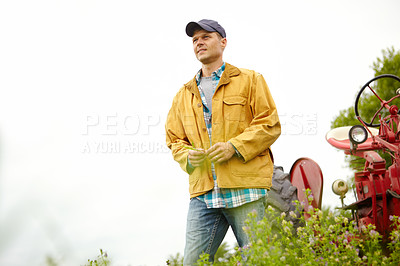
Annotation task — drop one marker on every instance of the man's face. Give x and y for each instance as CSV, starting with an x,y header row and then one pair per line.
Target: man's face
x,y
208,46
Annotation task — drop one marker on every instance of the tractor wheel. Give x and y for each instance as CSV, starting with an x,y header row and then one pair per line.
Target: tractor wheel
x,y
282,196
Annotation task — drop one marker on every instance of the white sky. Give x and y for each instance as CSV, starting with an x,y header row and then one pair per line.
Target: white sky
x,y
85,89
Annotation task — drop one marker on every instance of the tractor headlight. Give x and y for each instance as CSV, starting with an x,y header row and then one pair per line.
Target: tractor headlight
x,y
358,134
339,187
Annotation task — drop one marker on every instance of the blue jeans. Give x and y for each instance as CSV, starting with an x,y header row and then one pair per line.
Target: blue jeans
x,y
206,228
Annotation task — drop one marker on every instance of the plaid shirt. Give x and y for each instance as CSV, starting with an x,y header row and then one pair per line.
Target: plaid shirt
x,y
223,197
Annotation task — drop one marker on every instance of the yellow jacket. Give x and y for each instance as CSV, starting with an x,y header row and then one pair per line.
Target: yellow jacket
x,y
244,113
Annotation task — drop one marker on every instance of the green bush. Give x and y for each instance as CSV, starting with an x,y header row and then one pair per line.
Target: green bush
x,y
326,238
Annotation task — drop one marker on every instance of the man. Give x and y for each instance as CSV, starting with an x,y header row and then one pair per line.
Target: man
x,y
220,129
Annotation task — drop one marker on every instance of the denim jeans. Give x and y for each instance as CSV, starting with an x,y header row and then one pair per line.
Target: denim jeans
x,y
206,228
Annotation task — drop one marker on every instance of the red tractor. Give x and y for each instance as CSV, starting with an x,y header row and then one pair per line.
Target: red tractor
x,y
377,187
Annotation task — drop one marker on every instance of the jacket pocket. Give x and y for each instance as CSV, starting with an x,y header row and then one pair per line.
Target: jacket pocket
x,y
257,173
234,108
258,166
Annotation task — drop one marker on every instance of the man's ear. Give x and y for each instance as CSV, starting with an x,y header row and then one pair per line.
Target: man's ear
x,y
223,42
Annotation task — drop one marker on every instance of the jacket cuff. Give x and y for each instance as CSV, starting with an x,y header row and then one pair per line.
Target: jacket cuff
x,y
237,153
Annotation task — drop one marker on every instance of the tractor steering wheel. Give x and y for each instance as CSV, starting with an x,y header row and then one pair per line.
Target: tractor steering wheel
x,y
383,103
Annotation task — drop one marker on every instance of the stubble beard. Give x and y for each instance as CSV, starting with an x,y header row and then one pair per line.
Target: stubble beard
x,y
205,59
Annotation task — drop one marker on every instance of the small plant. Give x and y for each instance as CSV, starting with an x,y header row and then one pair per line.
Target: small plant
x,y
175,260
102,260
394,238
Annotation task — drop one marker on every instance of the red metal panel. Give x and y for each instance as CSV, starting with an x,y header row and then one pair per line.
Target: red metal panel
x,y
306,174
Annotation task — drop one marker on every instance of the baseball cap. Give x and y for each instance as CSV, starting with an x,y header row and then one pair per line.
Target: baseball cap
x,y
205,24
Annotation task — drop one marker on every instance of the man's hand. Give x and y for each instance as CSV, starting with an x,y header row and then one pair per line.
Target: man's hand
x,y
196,157
220,152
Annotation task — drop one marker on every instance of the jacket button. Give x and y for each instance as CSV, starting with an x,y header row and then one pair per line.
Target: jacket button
x,y
204,129
199,105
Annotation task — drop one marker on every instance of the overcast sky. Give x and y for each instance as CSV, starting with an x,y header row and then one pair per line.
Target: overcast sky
x,y
85,89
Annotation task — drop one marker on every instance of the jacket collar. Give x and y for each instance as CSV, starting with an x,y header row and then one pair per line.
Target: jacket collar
x,y
216,74
230,71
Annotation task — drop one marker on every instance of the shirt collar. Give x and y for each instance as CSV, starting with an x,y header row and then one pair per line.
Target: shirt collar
x,y
217,73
